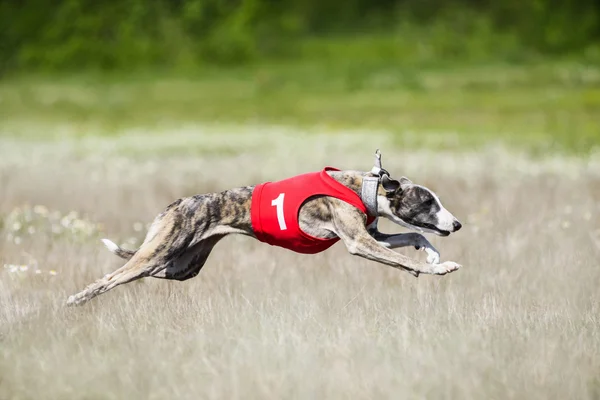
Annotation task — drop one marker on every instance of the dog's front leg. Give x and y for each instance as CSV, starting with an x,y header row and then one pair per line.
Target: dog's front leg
x,y
404,240
367,247
349,225
410,239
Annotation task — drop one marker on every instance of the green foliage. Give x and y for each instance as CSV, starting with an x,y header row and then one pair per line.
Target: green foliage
x,y
545,107
129,34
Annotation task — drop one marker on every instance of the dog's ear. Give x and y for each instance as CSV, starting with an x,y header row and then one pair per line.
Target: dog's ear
x,y
389,185
404,181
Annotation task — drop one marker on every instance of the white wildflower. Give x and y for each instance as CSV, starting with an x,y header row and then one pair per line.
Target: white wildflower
x,y
568,209
40,210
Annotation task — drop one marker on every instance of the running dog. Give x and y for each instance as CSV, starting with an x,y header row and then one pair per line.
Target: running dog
x,y
307,214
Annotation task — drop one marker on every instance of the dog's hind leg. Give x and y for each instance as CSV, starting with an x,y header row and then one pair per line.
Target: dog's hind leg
x,y
135,269
179,240
166,241
185,267
145,263
191,262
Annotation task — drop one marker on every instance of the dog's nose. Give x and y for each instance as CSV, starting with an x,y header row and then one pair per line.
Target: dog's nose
x,y
456,225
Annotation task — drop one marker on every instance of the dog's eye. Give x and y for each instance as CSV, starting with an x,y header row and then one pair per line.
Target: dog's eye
x,y
428,203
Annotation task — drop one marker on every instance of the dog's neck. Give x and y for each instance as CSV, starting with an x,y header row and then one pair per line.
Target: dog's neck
x,y
351,179
354,180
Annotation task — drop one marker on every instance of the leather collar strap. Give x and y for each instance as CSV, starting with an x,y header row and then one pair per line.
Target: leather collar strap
x,y
369,194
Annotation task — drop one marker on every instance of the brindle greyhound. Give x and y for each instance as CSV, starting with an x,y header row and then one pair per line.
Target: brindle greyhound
x,y
181,238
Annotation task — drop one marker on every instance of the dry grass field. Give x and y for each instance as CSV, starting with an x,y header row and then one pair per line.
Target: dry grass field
x,y
520,320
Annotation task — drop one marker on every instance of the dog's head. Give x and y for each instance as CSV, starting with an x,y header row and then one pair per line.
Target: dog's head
x,y
412,206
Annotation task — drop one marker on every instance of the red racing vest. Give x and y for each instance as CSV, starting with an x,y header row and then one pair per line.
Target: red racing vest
x,y
275,207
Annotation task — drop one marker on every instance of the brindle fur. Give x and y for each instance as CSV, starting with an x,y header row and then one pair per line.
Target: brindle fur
x,y
181,238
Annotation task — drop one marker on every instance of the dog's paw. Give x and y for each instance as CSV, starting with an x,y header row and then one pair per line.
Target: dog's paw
x,y
71,301
74,301
445,268
433,256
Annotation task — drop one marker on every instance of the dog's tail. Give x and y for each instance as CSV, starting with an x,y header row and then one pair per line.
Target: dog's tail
x,y
113,248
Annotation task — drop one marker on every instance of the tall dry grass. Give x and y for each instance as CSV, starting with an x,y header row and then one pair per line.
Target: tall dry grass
x,y
520,320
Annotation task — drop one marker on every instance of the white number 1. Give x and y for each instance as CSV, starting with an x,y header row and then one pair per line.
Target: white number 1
x,y
278,202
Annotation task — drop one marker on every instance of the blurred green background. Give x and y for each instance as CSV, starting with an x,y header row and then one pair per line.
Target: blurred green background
x,y
448,74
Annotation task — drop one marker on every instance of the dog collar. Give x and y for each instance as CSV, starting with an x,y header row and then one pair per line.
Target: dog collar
x,y
370,185
369,194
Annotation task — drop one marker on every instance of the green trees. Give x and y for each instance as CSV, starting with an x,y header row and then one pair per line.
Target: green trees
x,y
125,34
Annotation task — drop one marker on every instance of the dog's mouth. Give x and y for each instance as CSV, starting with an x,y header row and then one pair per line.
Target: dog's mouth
x,y
421,227
436,230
